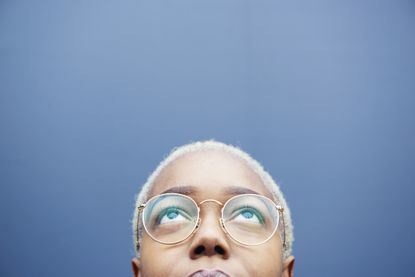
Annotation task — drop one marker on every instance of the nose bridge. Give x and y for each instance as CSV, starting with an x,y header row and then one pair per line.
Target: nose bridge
x,y
213,215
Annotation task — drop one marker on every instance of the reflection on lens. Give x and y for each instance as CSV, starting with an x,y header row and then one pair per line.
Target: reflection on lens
x,y
170,218
250,219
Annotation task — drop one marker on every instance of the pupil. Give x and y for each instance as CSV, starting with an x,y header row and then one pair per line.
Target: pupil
x,y
247,214
172,215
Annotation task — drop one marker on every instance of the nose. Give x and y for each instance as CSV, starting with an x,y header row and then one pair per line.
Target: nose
x,y
209,239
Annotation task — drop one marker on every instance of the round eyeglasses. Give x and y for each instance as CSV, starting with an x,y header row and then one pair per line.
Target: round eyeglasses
x,y
249,219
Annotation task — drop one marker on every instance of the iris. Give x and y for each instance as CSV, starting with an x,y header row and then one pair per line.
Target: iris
x,y
249,214
171,214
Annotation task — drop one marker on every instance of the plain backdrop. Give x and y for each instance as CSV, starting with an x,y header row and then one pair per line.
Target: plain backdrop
x,y
93,94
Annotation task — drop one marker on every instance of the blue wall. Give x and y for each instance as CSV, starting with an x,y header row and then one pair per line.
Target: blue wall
x,y
95,93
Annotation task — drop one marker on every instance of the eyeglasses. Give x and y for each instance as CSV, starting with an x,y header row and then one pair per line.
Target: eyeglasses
x,y
249,219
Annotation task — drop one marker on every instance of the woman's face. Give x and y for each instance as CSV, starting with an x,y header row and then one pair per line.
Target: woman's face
x,y
210,251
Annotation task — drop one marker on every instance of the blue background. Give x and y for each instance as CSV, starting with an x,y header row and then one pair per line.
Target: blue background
x,y
95,93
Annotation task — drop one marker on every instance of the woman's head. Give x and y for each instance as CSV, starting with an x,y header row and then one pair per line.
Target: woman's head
x,y
215,172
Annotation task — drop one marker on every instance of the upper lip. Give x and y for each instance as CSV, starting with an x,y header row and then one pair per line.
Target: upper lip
x,y
208,273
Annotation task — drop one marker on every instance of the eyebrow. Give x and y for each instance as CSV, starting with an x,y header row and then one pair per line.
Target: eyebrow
x,y
235,190
229,190
186,190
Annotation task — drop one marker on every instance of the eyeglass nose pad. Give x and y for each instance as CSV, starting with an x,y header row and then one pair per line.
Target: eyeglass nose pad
x,y
222,225
199,221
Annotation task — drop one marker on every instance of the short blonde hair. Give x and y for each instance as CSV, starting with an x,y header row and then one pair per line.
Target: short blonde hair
x,y
177,152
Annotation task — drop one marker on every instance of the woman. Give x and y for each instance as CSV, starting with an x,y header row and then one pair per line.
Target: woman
x,y
209,209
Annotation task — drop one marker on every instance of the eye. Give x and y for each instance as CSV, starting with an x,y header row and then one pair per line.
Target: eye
x,y
248,215
172,215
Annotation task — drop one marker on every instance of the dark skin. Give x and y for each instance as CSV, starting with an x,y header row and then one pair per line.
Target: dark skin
x,y
215,175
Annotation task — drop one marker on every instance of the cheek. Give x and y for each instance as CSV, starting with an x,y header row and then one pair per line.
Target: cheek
x,y
262,260
157,260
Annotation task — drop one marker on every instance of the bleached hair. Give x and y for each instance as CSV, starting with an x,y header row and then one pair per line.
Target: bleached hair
x,y
177,152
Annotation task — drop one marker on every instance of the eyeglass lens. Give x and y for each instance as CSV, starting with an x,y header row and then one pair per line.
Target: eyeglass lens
x,y
170,218
249,219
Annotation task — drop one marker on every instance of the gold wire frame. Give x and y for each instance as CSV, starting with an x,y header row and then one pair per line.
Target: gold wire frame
x,y
199,221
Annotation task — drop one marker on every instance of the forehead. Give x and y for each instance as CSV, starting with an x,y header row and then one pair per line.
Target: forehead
x,y
209,174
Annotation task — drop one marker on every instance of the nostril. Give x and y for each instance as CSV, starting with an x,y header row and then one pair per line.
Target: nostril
x,y
219,250
199,250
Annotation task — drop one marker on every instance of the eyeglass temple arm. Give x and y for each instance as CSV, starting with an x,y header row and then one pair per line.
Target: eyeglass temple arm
x,y
281,211
139,208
